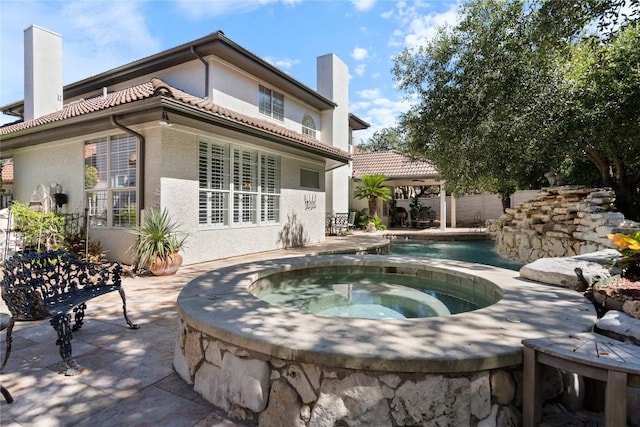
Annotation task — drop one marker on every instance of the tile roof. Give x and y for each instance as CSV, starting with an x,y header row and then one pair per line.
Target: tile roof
x,y
156,87
392,164
7,173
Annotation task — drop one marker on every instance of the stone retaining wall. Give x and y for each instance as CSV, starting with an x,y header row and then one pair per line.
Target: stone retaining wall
x,y
559,222
275,392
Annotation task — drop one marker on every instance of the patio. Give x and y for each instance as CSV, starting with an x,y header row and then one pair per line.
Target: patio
x,y
128,376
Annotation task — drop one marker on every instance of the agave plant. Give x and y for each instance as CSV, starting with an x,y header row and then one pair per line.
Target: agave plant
x,y
158,237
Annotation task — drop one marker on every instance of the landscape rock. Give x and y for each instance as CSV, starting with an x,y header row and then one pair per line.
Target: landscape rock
x,y
561,272
620,324
436,400
480,390
356,400
503,387
284,407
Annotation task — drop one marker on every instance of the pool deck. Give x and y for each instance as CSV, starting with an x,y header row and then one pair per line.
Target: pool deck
x,y
128,376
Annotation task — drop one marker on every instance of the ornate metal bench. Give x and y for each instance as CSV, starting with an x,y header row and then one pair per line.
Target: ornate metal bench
x,y
52,284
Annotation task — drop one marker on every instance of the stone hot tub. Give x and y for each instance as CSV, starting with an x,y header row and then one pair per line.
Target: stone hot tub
x,y
279,366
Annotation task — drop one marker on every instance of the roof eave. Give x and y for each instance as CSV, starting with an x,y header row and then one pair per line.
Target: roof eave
x,y
145,111
213,44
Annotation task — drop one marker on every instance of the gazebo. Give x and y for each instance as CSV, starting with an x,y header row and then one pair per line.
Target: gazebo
x,y
402,171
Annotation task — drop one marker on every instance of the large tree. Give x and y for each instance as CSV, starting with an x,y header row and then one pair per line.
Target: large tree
x,y
384,139
603,122
496,93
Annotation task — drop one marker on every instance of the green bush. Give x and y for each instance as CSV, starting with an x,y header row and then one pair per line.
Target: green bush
x,y
362,218
378,223
41,230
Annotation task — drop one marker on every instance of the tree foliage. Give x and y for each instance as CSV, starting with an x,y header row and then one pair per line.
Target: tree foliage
x,y
501,95
383,140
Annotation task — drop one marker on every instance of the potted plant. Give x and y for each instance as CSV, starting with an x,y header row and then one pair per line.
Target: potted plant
x,y
158,244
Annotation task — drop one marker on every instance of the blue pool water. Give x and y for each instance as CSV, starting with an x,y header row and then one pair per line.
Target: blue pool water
x,y
478,251
370,296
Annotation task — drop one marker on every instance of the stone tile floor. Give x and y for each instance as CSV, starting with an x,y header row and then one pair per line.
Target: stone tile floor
x,y
128,377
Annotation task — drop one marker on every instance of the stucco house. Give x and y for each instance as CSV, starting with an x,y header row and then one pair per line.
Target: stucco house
x,y
247,158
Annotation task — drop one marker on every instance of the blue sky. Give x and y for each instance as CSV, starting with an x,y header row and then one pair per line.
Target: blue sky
x,y
291,34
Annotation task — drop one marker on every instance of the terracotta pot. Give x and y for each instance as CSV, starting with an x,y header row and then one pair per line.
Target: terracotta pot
x,y
167,267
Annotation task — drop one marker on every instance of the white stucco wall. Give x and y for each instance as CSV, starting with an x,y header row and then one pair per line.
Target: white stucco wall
x,y
237,90
61,163
333,83
179,195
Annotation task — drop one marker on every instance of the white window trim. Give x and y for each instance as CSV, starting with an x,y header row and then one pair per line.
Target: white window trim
x,y
272,93
231,191
111,188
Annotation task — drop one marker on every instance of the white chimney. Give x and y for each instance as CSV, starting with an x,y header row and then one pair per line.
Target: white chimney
x,y
333,83
42,72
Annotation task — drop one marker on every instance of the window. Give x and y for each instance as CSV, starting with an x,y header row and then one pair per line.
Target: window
x,y
245,186
213,176
110,181
309,179
270,186
271,103
308,126
238,186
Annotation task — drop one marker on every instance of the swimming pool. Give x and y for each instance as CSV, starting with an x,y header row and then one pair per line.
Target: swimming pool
x,y
478,251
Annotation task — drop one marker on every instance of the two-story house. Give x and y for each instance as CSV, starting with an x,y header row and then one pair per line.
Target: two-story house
x,y
244,156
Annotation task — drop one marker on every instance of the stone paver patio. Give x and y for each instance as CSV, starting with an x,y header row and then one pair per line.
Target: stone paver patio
x,y
128,377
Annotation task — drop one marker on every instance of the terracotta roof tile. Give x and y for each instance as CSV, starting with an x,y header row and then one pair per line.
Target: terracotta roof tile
x,y
7,173
156,87
392,164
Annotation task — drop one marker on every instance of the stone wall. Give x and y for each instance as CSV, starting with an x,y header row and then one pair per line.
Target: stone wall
x,y
559,222
274,392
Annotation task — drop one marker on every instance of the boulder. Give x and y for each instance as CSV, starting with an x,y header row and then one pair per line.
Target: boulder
x,y
561,271
619,325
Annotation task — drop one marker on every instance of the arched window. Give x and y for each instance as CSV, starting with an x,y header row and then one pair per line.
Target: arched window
x,y
308,126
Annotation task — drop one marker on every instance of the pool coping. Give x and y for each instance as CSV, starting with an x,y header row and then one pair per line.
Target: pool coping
x,y
219,304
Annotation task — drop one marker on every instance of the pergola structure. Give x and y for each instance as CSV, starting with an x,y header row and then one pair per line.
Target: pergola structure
x,y
400,171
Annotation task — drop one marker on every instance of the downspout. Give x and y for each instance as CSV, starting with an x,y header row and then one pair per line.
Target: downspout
x,y
140,160
206,71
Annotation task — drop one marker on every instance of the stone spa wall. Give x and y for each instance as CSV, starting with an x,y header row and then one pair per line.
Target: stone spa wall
x,y
274,392
560,221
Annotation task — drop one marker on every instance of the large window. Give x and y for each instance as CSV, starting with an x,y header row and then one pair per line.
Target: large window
x,y
110,181
238,186
271,103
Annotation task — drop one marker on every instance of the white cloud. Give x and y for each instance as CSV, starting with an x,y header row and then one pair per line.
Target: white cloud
x,y
360,69
381,113
415,25
369,93
205,9
359,53
96,36
102,35
363,5
283,63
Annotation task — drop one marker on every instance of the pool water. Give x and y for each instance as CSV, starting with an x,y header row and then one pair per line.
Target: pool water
x,y
370,296
477,251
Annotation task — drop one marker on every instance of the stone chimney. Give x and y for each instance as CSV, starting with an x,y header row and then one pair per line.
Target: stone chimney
x,y
42,72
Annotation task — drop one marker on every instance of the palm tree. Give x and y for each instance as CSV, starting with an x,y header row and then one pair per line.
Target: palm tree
x,y
373,190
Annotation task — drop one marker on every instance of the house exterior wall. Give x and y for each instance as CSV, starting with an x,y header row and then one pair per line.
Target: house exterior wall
x,y
171,182
42,166
333,83
170,175
179,195
238,90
